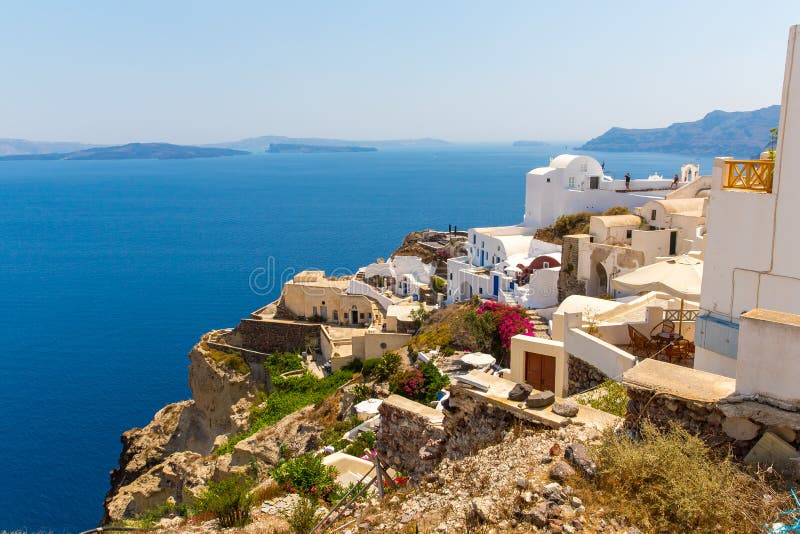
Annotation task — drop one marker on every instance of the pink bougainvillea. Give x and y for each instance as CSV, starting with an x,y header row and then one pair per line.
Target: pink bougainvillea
x,y
510,320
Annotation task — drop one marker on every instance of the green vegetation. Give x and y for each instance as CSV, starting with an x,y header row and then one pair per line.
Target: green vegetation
x,y
333,434
671,481
228,500
365,440
355,366
229,360
289,395
420,315
149,518
617,210
614,400
474,332
368,367
282,362
361,392
388,365
306,475
438,283
434,380
303,516
421,384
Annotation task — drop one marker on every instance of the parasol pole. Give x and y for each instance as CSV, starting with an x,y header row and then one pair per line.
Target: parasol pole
x,y
680,320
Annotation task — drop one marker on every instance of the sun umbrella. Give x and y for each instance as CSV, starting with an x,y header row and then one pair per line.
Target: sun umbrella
x,y
680,276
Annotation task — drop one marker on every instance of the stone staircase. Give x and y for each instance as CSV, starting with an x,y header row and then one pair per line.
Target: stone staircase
x,y
509,297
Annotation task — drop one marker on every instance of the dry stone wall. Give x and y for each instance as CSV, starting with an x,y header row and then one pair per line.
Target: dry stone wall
x,y
582,375
568,283
273,336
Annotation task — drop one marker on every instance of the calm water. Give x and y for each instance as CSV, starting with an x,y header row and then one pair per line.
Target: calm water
x,y
110,271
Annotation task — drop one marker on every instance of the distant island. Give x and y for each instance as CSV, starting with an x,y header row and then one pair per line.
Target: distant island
x,y
275,148
257,144
720,133
529,143
134,151
13,147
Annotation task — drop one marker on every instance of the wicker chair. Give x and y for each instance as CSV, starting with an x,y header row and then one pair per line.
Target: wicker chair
x,y
642,345
664,327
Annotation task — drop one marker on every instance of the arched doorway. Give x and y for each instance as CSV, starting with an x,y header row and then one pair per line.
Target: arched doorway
x,y
598,282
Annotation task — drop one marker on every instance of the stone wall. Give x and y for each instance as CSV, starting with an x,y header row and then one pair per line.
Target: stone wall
x,y
582,375
259,375
568,283
411,436
471,424
414,438
273,336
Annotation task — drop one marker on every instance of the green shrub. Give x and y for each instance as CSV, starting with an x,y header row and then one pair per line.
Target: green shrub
x,y
229,360
612,398
149,518
437,283
282,362
368,366
332,434
365,440
303,516
361,392
434,380
475,332
388,365
355,366
306,475
617,210
228,500
419,315
671,481
289,395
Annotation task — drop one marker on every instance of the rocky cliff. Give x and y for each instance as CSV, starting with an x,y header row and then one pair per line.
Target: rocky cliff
x,y
172,457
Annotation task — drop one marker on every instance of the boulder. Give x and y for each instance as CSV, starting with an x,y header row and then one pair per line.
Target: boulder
x,y
520,392
740,428
540,399
566,408
578,455
561,471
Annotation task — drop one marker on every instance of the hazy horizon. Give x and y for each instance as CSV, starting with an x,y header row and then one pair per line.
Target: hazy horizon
x,y
464,72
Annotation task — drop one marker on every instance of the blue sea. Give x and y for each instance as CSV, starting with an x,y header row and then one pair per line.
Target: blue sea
x,y
111,270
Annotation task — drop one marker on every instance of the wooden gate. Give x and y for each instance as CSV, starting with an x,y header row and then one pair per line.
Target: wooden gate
x,y
540,371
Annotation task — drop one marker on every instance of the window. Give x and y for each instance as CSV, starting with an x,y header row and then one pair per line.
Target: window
x,y
545,265
335,315
629,234
451,276
653,215
323,303
584,167
314,310
498,250
482,244
480,290
572,181
383,346
474,238
548,180
361,316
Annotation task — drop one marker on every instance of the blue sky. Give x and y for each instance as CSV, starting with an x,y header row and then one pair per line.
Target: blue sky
x,y
195,72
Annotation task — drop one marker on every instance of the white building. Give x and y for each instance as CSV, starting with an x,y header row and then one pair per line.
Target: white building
x,y
750,327
402,275
572,184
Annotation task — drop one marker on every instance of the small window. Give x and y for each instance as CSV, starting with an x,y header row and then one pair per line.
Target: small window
x,y
474,239
629,234
361,315
383,346
498,250
451,276
480,290
572,181
545,265
482,244
314,310
335,315
548,180
584,167
653,215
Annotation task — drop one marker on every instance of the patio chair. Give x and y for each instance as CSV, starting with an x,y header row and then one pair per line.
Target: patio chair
x,y
640,342
664,327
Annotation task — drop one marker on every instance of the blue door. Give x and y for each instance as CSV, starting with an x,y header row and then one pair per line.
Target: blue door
x,y
496,288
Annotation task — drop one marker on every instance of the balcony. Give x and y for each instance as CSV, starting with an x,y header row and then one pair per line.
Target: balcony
x,y
749,175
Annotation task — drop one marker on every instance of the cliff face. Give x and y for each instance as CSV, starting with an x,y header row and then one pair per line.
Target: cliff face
x,y
166,458
171,457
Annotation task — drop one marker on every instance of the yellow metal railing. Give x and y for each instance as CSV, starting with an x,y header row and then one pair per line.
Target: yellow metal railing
x,y
749,175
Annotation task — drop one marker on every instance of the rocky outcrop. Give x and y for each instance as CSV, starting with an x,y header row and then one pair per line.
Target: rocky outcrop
x,y
167,456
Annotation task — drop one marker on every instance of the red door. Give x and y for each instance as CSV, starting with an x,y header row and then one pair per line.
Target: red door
x,y
540,371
